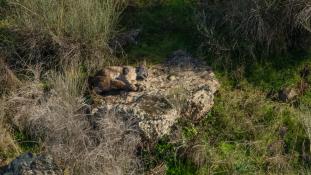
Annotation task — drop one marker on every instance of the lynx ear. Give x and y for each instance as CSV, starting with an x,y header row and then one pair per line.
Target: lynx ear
x,y
125,70
142,64
142,72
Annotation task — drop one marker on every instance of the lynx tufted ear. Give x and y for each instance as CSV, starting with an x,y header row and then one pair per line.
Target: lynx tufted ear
x,y
125,70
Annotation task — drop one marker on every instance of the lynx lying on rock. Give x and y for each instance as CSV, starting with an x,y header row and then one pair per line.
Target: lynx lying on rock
x,y
117,78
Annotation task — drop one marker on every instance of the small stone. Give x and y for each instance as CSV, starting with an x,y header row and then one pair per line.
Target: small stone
x,y
171,77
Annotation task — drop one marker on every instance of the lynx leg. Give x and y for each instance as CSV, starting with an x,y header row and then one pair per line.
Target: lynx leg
x,y
133,87
104,84
118,85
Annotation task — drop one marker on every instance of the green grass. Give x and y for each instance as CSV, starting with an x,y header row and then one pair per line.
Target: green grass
x,y
278,72
234,138
26,143
166,27
239,135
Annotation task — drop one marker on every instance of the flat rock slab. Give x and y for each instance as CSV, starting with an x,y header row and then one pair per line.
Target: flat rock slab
x,y
189,94
168,93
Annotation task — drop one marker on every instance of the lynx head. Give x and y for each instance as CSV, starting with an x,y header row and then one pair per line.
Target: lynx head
x,y
141,72
125,71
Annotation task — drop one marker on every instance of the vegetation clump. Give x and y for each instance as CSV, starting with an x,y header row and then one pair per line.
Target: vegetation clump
x,y
256,48
247,28
88,22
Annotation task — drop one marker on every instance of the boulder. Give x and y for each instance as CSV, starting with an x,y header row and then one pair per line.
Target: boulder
x,y
179,88
29,164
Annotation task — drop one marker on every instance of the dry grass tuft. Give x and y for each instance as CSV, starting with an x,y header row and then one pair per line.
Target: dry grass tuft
x,y
57,119
255,28
84,21
304,17
52,32
305,116
8,147
8,79
66,42
178,97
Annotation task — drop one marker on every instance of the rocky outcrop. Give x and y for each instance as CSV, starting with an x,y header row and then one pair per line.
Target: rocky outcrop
x,y
183,87
29,164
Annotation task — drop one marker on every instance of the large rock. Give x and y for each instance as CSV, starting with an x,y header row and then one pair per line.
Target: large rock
x,y
180,88
29,164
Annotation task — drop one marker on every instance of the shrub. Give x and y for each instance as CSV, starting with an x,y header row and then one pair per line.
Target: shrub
x,y
8,80
58,120
46,32
84,21
244,28
8,147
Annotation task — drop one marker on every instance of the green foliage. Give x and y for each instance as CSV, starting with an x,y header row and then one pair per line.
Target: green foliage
x,y
166,152
190,131
240,135
166,26
8,147
26,143
180,169
241,129
278,72
235,137
269,74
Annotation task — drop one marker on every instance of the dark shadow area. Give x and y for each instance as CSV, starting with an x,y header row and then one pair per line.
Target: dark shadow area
x,y
166,27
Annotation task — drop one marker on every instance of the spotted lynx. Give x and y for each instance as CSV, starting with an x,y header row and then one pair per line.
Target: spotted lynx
x,y
116,78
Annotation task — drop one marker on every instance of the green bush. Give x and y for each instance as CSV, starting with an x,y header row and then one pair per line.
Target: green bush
x,y
255,28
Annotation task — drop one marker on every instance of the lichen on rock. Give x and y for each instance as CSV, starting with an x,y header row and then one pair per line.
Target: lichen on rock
x,y
182,87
